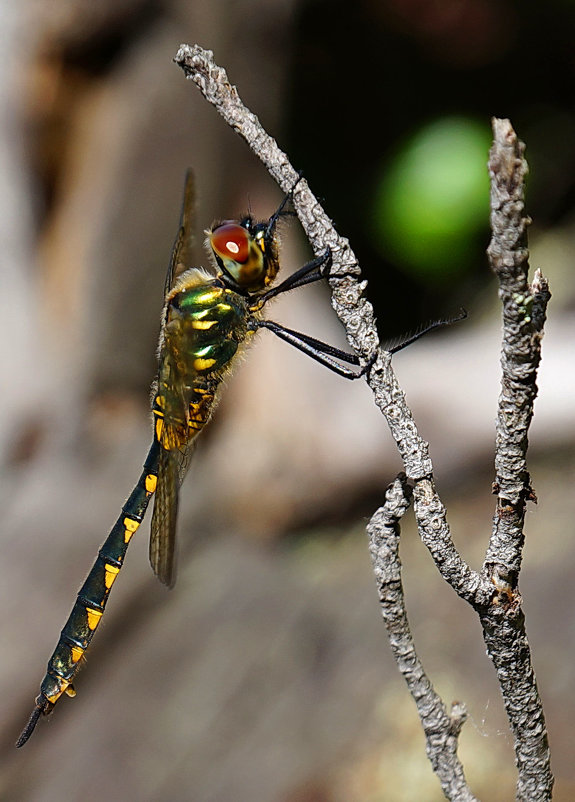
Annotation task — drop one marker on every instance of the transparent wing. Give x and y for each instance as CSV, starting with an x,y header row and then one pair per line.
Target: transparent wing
x,y
173,462
181,258
163,529
172,468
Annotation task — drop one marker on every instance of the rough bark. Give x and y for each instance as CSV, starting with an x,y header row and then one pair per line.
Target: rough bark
x,y
493,591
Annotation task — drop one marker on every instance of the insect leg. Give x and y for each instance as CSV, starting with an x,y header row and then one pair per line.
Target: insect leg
x,y
437,324
316,349
314,270
280,210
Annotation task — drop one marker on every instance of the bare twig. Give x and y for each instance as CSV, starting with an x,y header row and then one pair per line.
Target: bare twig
x,y
354,311
524,314
441,729
524,308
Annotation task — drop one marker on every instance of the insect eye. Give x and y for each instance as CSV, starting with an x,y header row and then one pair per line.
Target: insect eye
x,y
231,241
240,254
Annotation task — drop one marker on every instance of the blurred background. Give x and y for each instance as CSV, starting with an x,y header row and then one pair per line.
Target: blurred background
x,y
265,674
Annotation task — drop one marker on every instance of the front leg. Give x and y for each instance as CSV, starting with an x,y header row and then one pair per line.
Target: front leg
x,y
321,352
312,271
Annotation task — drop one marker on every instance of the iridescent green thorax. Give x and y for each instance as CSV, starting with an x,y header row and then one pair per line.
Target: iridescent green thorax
x,y
204,326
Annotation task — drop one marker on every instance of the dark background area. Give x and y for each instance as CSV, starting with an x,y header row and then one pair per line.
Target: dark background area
x,y
265,674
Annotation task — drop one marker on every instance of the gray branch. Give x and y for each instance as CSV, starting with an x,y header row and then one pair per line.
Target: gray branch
x,y
492,592
524,309
440,728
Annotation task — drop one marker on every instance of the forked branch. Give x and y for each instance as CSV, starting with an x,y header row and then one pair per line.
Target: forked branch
x,y
441,728
493,591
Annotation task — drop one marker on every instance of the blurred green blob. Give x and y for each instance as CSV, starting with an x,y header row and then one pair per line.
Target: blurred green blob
x,y
434,198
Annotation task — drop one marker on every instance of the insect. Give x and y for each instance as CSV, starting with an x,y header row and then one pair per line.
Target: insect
x,y
207,319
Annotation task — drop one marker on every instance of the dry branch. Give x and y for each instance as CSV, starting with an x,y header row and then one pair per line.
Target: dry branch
x,y
524,309
441,729
493,591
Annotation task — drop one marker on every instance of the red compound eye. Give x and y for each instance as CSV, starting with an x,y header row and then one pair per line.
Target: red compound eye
x,y
231,241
